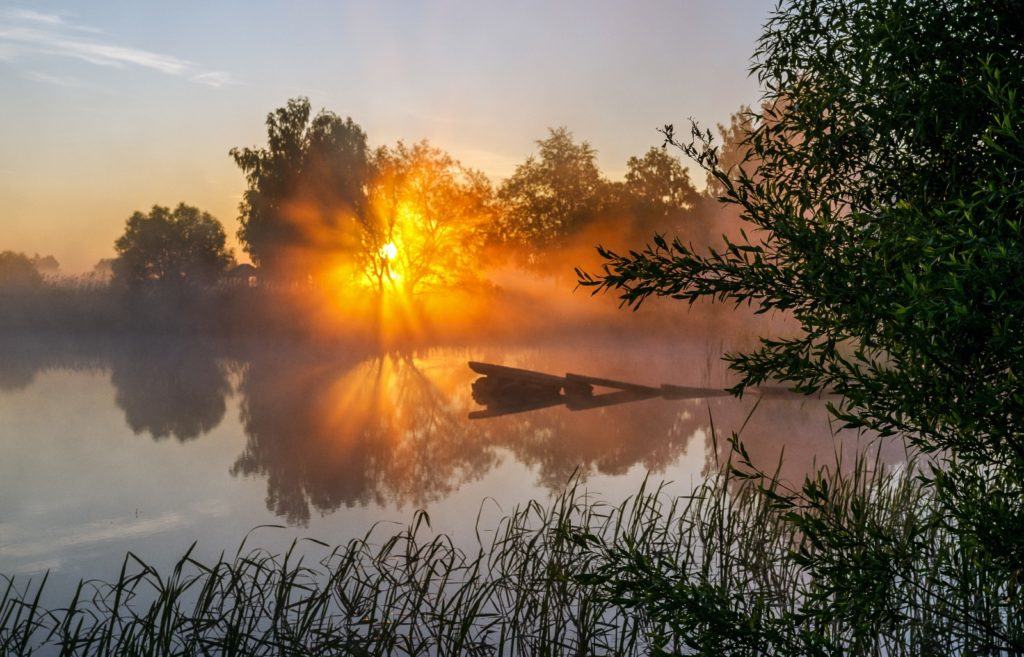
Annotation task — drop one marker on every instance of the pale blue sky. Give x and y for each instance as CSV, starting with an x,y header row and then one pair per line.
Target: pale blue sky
x,y
111,106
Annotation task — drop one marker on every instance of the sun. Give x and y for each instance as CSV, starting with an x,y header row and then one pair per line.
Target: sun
x,y
389,251
389,264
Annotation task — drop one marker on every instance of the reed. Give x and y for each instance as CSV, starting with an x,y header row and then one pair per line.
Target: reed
x,y
733,568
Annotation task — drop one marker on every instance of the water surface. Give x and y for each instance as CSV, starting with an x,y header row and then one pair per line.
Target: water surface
x,y
148,445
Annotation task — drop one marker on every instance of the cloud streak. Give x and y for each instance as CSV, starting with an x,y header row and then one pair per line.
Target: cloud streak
x,y
38,18
31,32
33,16
58,80
214,79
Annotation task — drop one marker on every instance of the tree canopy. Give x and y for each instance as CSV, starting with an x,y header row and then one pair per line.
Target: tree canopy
x,y
45,265
306,189
657,194
181,247
659,183
426,219
552,194
319,198
18,271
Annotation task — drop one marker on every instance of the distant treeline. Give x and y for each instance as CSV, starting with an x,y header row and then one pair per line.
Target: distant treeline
x,y
323,209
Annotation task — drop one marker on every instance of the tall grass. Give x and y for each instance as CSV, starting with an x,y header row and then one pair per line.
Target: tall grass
x,y
857,561
725,570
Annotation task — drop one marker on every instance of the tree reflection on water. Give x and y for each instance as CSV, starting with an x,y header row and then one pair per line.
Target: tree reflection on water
x,y
172,388
334,427
353,432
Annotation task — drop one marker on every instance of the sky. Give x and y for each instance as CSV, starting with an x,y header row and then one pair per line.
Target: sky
x,y
112,106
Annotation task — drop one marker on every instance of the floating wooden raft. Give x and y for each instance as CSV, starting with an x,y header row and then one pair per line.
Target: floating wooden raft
x,y
506,390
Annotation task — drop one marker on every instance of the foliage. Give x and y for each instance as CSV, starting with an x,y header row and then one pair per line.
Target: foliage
x,y
658,184
17,271
45,265
431,211
553,194
656,196
183,246
305,189
888,202
102,271
319,201
857,561
556,198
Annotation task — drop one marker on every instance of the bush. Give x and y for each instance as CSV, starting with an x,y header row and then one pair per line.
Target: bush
x,y
882,188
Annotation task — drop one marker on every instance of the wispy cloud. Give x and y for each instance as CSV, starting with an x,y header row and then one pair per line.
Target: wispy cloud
x,y
32,16
49,19
214,78
58,80
101,54
25,31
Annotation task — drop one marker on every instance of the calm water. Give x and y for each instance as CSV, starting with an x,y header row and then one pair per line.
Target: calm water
x,y
148,445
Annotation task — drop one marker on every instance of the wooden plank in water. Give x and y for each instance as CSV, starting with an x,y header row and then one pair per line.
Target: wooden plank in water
x,y
669,391
611,383
609,399
504,372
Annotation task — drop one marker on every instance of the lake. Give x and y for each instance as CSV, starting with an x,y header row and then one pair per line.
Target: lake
x,y
148,445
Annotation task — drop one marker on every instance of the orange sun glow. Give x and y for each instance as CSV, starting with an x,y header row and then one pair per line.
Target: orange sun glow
x,y
389,251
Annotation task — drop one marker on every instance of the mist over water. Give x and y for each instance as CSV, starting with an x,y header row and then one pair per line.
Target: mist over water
x,y
148,444
141,420
176,398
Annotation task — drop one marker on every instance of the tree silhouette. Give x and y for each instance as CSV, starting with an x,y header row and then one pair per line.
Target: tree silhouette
x,y
306,188
45,265
658,183
17,271
552,194
102,271
658,196
179,247
888,195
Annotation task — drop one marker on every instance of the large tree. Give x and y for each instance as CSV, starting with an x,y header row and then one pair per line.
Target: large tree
x,y
553,193
184,246
306,189
426,219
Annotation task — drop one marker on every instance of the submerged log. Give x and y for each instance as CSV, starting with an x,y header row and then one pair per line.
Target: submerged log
x,y
506,390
